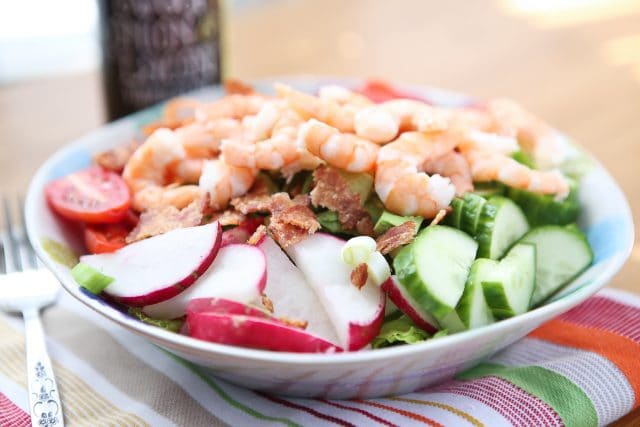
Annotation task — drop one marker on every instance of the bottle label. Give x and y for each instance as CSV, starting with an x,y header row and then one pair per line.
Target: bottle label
x,y
161,48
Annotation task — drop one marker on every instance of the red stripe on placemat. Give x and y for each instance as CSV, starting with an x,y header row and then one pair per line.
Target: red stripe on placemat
x,y
311,411
11,415
604,313
620,350
408,414
509,400
360,411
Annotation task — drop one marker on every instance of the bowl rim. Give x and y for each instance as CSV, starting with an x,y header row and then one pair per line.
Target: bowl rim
x,y
187,344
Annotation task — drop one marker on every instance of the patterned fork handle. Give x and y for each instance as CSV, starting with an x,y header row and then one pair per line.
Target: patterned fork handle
x,y
44,397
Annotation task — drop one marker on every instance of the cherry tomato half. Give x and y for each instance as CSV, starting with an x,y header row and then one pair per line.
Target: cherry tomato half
x,y
101,238
93,195
380,91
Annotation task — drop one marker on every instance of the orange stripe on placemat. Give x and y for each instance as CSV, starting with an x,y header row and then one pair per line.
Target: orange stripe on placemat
x,y
442,406
412,415
621,351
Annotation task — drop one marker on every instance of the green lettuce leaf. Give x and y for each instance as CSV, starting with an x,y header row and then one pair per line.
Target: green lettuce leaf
x,y
397,332
173,325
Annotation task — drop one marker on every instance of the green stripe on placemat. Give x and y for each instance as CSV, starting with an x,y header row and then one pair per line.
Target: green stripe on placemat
x,y
238,405
569,401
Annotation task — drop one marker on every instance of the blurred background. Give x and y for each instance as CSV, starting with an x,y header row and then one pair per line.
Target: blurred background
x,y
574,62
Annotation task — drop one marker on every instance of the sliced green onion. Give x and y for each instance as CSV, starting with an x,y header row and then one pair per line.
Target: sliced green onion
x,y
378,268
357,250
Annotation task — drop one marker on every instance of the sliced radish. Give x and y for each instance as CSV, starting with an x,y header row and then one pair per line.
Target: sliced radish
x,y
291,294
160,267
242,232
356,314
238,273
408,306
255,332
223,306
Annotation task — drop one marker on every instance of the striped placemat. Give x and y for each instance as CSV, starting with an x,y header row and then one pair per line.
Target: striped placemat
x,y
581,369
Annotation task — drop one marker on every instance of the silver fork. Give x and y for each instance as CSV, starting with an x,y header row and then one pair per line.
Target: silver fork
x,y
27,287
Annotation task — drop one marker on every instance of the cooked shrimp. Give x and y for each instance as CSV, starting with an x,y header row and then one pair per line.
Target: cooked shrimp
x,y
399,182
202,140
453,166
489,166
343,96
383,122
548,147
230,107
223,181
154,196
325,110
147,170
272,153
342,150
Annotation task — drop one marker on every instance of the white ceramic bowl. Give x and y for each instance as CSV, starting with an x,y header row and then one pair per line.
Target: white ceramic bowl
x,y
605,217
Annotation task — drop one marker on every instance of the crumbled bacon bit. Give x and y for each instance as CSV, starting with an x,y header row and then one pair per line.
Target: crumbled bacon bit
x,y
294,323
365,226
267,303
251,203
116,158
228,217
292,224
439,217
291,220
163,219
332,192
359,275
396,237
257,235
237,87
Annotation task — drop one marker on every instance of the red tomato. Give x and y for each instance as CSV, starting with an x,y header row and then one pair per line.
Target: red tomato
x,y
380,91
101,238
93,195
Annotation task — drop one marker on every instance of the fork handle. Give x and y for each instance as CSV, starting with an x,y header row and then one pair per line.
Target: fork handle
x,y
44,396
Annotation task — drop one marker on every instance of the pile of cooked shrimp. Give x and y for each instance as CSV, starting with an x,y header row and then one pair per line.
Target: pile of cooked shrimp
x,y
421,156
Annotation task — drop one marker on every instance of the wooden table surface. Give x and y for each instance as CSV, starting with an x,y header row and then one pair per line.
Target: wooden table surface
x,y
578,68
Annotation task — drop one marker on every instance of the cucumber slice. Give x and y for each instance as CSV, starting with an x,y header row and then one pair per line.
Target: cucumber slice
x,y
454,217
508,284
471,212
452,322
473,309
562,254
90,278
543,209
500,225
434,268
388,220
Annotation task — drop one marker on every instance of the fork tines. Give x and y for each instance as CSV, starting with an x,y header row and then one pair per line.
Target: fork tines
x,y
16,252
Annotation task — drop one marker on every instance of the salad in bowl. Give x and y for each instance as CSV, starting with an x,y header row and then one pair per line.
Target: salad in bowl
x,y
350,221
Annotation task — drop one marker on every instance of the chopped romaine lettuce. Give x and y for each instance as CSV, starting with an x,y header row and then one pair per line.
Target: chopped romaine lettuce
x,y
524,158
375,207
399,331
329,221
388,220
173,325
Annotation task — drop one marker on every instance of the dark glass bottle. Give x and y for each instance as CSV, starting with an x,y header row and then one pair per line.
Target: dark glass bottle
x,y
156,49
